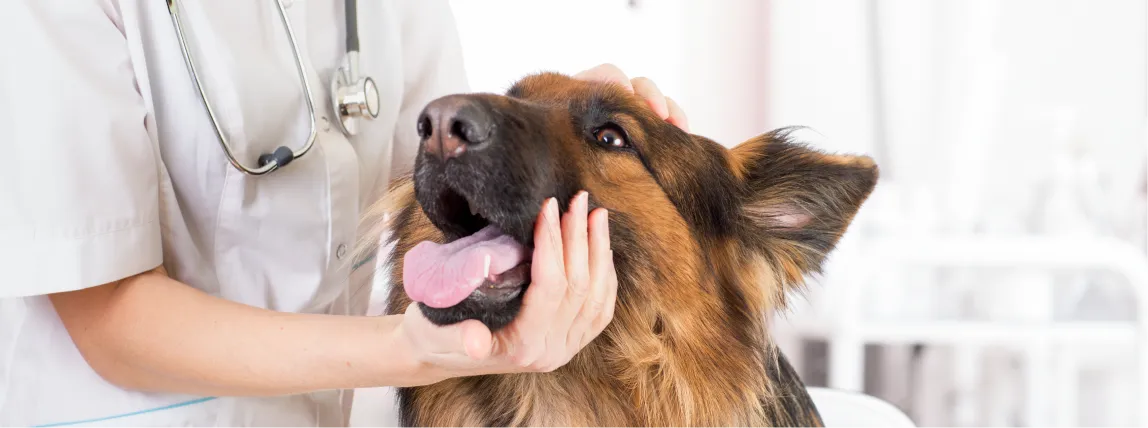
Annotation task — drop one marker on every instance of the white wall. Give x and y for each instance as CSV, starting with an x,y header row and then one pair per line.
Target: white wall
x,y
707,58
979,112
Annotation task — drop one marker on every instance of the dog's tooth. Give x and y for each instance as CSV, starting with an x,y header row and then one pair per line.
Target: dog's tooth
x,y
473,210
486,267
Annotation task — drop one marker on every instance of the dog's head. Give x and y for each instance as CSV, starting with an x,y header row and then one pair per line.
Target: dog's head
x,y
681,206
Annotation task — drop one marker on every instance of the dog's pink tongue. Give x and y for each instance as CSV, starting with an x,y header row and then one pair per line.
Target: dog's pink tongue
x,y
442,275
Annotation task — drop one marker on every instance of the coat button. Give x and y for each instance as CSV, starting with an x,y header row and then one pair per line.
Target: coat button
x,y
341,251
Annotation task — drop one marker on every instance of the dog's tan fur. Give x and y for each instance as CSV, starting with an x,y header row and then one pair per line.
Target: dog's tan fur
x,y
689,343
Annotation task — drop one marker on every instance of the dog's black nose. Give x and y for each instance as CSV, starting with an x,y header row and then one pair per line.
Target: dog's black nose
x,y
451,125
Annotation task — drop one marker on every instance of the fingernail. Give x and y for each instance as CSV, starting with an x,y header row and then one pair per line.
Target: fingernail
x,y
555,230
583,202
552,211
606,230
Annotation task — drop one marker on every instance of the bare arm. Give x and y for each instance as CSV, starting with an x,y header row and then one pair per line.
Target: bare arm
x,y
150,332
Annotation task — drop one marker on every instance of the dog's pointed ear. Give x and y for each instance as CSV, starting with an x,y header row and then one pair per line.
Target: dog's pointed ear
x,y
797,202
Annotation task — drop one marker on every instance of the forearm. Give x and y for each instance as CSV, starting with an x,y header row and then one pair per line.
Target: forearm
x,y
150,332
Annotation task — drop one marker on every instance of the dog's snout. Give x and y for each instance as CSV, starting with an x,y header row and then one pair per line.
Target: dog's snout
x,y
454,124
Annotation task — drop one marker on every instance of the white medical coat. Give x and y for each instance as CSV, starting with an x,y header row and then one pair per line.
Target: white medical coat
x,y
109,167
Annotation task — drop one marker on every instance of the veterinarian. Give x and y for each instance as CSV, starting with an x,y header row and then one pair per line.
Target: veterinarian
x,y
160,265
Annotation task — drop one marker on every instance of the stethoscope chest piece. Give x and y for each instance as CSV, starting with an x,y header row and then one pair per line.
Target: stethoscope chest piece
x,y
353,97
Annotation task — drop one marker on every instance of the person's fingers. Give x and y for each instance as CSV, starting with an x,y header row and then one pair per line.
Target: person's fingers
x,y
601,274
545,293
677,115
663,106
607,314
574,238
606,73
574,246
649,91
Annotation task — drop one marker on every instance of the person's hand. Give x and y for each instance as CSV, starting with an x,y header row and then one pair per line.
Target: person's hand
x,y
568,304
664,106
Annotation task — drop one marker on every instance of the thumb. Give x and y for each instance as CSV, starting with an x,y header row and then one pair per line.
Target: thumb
x,y
470,337
476,339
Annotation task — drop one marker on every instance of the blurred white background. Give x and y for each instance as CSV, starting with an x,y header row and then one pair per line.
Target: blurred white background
x,y
998,274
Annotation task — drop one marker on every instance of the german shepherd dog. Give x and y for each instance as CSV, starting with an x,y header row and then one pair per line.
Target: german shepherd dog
x,y
707,241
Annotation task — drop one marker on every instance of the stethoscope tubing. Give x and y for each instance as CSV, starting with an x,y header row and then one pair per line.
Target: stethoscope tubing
x,y
280,159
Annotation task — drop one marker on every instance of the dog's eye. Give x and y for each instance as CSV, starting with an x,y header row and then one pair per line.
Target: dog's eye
x,y
611,137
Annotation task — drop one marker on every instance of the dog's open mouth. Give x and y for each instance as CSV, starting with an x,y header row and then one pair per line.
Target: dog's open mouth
x,y
483,264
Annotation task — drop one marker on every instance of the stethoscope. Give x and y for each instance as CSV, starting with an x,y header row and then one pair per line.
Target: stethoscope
x,y
352,97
